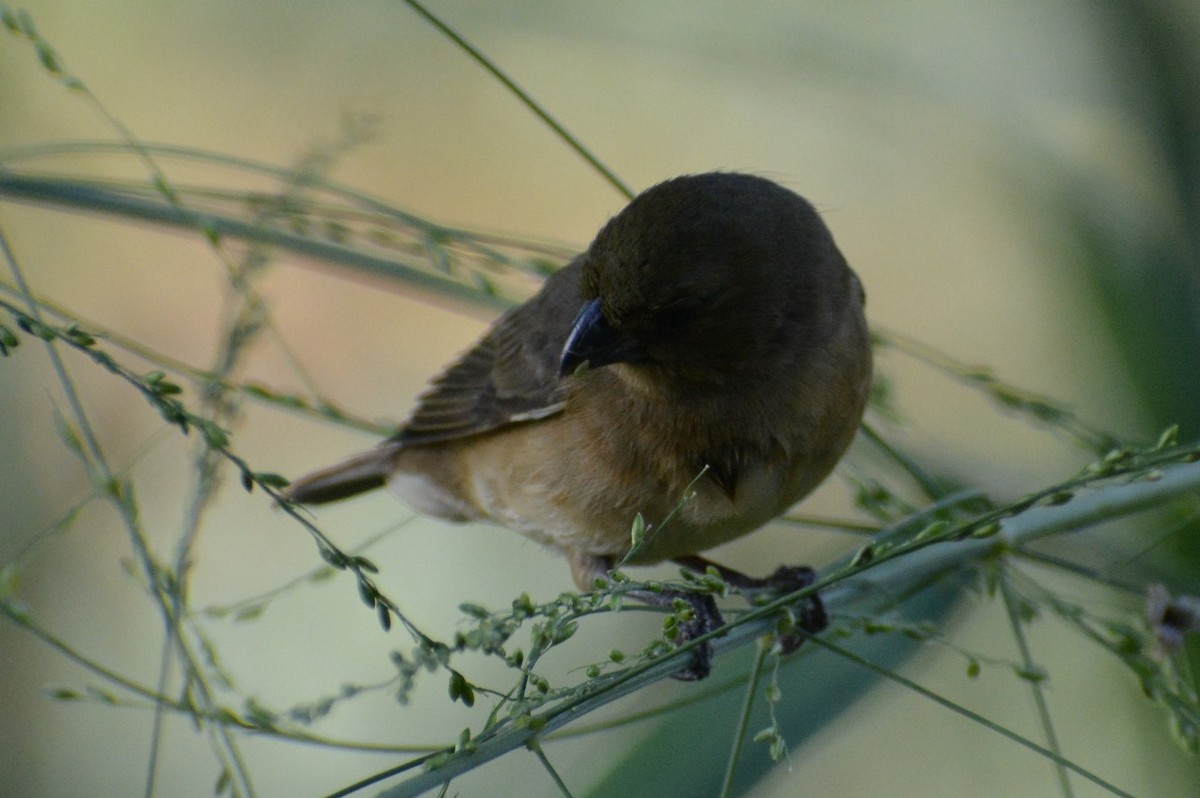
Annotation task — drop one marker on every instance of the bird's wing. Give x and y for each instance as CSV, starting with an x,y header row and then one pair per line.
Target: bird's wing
x,y
510,376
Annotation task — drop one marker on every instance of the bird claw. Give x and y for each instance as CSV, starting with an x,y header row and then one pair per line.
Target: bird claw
x,y
812,615
705,618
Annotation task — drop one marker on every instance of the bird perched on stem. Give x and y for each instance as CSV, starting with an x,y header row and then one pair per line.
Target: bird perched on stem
x,y
701,367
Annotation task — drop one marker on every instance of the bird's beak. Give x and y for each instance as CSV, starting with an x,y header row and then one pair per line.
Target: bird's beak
x,y
594,342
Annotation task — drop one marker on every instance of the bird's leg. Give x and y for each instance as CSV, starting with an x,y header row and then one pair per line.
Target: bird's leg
x,y
586,568
786,579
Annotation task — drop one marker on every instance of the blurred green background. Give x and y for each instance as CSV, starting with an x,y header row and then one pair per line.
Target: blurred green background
x,y
1017,184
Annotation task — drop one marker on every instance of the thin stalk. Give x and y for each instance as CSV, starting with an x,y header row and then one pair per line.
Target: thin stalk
x,y
966,713
73,194
932,490
739,734
865,592
123,499
1039,696
536,747
528,101
320,407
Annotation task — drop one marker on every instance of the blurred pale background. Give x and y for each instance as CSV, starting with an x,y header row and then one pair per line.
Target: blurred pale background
x,y
933,139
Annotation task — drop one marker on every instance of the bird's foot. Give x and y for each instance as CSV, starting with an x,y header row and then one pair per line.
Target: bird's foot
x,y
812,617
699,617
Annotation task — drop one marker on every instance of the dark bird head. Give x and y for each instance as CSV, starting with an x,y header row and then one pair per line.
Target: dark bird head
x,y
709,278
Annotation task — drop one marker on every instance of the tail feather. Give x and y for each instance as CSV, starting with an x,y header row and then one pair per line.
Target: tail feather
x,y
358,474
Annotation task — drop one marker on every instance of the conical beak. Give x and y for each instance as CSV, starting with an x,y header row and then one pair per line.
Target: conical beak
x,y
594,342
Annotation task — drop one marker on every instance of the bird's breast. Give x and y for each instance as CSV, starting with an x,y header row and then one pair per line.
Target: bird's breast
x,y
577,480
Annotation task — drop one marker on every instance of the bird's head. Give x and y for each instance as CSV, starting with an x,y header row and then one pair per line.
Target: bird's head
x,y
708,278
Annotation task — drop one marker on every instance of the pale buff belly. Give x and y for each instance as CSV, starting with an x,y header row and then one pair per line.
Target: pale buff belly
x,y
539,481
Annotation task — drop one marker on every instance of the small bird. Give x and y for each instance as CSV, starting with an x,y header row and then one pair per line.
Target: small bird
x,y
703,364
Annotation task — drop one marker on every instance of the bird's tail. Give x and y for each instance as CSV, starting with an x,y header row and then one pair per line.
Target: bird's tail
x,y
358,474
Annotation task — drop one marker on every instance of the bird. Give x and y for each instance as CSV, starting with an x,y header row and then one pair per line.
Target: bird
x,y
702,366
